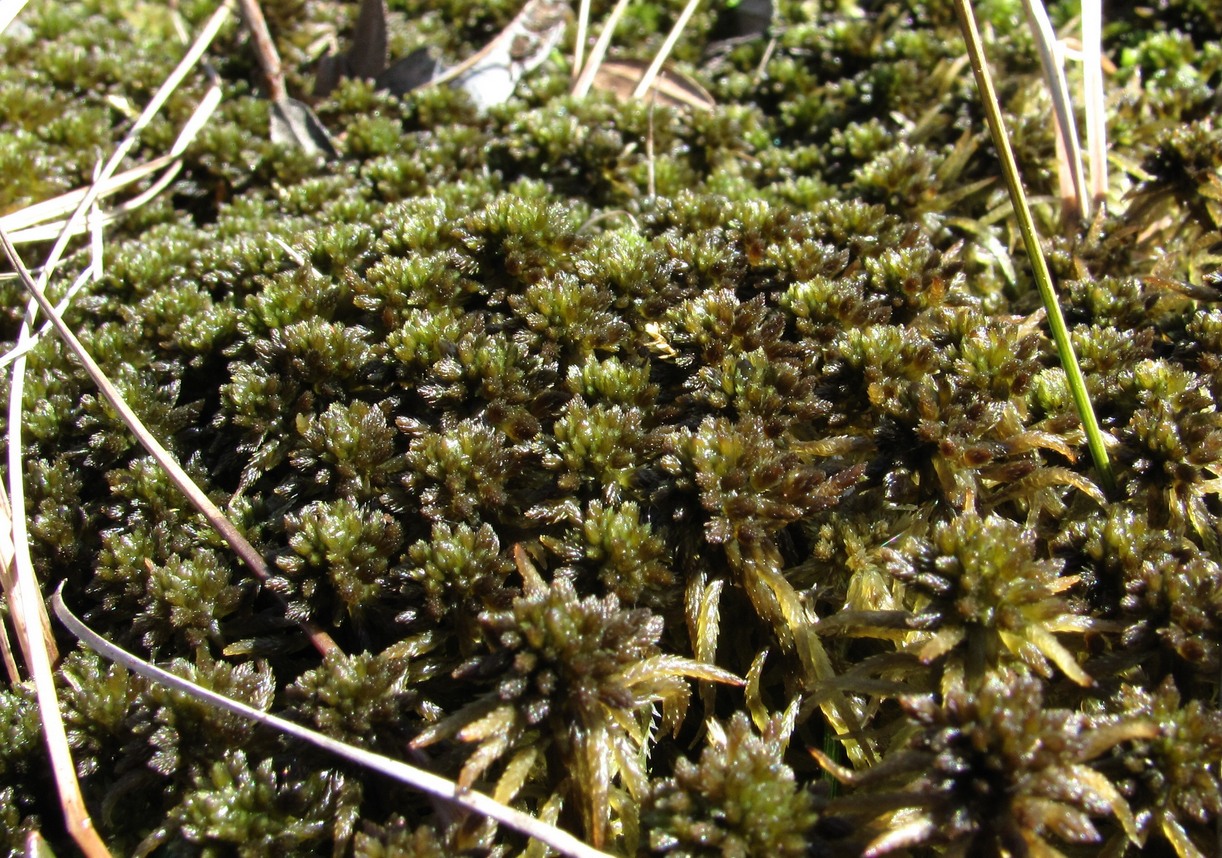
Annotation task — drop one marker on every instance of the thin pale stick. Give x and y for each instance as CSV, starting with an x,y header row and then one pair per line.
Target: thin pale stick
x,y
23,225
66,203
10,9
320,639
6,652
188,62
1093,98
30,613
80,825
250,556
583,27
29,621
1062,107
27,345
672,38
8,579
428,782
582,87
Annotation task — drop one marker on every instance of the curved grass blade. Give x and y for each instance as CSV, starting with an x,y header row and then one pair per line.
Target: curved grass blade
x,y
428,782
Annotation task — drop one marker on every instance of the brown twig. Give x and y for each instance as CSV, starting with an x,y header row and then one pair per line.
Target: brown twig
x,y
265,49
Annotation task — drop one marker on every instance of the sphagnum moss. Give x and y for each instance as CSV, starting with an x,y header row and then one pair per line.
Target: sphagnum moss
x,y
759,384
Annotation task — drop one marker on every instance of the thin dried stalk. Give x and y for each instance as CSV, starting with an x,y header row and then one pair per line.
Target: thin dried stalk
x,y
76,817
240,545
1093,98
10,9
29,617
66,203
44,221
586,80
672,37
579,44
1077,204
8,578
428,782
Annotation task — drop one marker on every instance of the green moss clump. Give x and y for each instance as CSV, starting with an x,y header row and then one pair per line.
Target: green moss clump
x,y
740,799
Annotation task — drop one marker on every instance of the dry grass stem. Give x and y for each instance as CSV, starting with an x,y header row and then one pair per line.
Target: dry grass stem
x,y
241,546
1074,194
427,782
586,79
1093,99
8,579
44,220
10,9
30,617
579,43
670,88
672,37
253,559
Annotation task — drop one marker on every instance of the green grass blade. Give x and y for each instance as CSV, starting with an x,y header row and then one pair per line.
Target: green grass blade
x,y
1043,278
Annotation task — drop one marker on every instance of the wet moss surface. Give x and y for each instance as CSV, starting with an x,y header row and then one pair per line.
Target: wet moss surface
x,y
763,387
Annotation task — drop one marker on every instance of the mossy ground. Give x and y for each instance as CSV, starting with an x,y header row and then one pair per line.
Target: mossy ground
x,y
763,386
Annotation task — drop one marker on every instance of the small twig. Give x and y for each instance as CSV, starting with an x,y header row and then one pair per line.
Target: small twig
x,y
428,782
265,49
